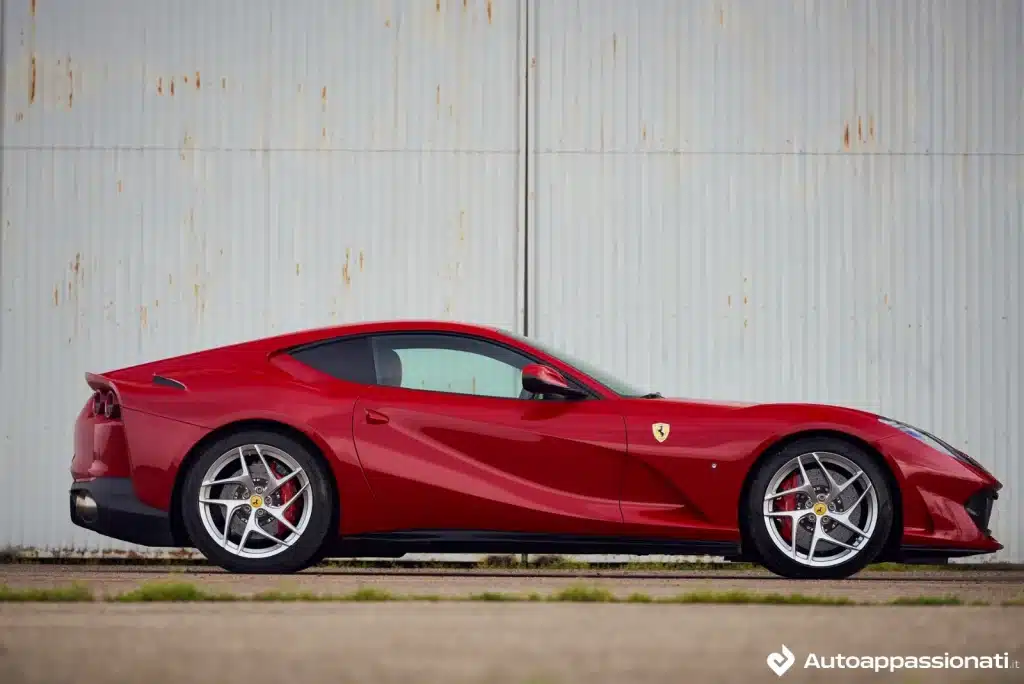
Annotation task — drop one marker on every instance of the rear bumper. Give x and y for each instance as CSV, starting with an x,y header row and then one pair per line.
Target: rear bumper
x,y
109,506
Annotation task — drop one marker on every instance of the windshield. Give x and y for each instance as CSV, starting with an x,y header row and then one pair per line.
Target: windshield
x,y
617,385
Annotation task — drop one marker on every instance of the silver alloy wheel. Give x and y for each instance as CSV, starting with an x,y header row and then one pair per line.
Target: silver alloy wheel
x,y
834,505
245,498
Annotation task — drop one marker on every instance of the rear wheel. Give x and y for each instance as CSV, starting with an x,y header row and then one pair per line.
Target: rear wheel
x,y
258,502
820,508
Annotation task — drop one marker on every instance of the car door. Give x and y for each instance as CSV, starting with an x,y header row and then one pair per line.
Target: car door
x,y
448,440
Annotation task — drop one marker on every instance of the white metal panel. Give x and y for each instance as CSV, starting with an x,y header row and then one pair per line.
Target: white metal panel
x,y
183,175
797,201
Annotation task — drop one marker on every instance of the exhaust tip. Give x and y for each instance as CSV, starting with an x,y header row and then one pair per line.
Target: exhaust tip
x,y
85,507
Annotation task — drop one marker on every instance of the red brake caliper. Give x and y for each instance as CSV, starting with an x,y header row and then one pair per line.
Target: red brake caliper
x,y
788,503
288,489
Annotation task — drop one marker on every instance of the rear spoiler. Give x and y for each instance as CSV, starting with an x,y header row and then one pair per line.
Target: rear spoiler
x,y
99,382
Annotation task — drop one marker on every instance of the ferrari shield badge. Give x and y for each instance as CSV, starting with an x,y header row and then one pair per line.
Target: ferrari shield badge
x,y
660,431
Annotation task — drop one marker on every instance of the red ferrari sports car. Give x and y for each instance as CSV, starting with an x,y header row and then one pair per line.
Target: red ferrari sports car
x,y
381,439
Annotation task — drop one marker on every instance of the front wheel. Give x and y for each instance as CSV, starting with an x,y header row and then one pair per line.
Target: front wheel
x,y
819,509
258,502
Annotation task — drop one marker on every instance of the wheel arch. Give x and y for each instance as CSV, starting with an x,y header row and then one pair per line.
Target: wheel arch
x,y
178,531
895,534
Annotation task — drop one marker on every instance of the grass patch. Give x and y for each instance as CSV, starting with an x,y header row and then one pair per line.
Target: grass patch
x,y
163,592
76,593
171,591
496,596
370,594
746,597
584,594
500,562
639,598
927,601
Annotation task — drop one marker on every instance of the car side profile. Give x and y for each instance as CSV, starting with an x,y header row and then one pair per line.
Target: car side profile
x,y
381,439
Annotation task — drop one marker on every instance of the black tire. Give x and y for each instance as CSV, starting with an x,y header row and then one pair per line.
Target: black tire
x,y
305,549
771,556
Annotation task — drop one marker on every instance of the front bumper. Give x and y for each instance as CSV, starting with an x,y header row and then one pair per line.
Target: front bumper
x,y
108,506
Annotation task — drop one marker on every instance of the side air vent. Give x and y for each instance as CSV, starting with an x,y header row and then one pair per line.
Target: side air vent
x,y
167,382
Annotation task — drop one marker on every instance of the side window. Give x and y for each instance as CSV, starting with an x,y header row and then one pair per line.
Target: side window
x,y
347,359
448,363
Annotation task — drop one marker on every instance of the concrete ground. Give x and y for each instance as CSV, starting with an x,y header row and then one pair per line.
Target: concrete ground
x,y
454,643
992,587
499,643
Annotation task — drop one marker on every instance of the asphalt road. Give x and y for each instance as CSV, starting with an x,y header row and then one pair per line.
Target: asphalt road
x,y
497,643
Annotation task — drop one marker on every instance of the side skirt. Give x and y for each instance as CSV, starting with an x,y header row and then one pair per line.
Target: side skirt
x,y
397,544
926,555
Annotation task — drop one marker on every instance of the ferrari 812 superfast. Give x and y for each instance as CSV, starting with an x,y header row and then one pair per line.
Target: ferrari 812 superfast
x,y
382,439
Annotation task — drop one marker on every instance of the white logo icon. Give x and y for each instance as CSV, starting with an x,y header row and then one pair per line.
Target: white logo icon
x,y
780,662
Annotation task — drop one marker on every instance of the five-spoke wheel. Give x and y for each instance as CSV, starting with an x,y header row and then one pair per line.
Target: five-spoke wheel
x,y
258,502
819,508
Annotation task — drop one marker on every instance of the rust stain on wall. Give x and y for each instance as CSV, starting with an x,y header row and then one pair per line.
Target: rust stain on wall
x,y
32,81
437,5
32,7
71,85
344,269
387,23
185,79
643,132
172,87
198,81
871,126
143,316
56,296
223,83
120,186
860,130
489,10
160,86
728,300
200,302
846,137
360,261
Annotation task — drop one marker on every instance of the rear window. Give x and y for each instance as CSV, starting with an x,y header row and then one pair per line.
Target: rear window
x,y
348,359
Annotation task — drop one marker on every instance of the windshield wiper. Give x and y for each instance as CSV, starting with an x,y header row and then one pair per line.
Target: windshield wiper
x,y
652,395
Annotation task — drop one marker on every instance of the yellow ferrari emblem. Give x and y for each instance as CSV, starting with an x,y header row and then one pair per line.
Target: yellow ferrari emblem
x,y
661,431
820,509
256,501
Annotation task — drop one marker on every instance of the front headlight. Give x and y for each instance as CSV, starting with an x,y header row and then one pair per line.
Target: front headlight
x,y
921,435
932,441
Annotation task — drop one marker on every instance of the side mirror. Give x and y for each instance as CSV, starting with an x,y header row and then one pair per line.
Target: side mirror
x,y
540,379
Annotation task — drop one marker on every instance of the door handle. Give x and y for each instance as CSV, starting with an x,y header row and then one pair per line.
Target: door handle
x,y
376,417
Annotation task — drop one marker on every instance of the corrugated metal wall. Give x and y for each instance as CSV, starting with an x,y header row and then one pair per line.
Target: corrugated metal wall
x,y
752,199
188,174
808,201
